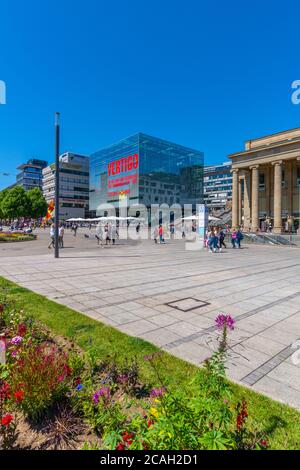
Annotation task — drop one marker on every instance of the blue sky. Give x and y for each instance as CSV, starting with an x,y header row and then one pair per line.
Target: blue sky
x,y
204,74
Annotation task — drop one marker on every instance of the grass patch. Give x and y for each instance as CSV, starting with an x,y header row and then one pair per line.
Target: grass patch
x,y
280,422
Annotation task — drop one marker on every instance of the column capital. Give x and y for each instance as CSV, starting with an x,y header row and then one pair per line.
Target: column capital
x,y
244,173
278,162
234,170
254,167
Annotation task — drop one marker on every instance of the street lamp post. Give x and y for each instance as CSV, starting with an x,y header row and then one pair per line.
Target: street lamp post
x,y
56,247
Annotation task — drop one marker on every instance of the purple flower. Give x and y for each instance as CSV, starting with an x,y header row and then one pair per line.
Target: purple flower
x,y
157,392
223,321
103,392
96,398
16,340
14,353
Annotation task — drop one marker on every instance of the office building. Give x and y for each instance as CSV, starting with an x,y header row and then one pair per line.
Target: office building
x,y
217,186
30,175
73,185
146,170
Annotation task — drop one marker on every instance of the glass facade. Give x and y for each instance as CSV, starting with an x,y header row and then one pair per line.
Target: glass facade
x,y
147,170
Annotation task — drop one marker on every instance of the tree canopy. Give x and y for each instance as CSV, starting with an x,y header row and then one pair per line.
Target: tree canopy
x,y
16,202
38,203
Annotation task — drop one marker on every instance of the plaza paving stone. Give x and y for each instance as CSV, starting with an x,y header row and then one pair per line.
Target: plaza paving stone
x,y
170,296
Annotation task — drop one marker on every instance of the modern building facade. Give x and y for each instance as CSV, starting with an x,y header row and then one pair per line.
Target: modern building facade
x,y
146,170
73,185
30,175
266,183
217,186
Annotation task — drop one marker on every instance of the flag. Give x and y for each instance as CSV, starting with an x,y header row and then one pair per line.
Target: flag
x,y
50,211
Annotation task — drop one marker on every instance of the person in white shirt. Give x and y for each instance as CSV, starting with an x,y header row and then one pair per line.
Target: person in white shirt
x,y
52,236
99,235
61,232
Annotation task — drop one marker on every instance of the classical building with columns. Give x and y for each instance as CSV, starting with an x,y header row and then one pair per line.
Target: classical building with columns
x,y
266,183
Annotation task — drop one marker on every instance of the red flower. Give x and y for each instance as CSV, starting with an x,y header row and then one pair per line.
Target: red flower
x,y
150,423
19,396
78,381
126,436
5,391
120,447
22,328
68,370
127,439
242,415
263,443
7,419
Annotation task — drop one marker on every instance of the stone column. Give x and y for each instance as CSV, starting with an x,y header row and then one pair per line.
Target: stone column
x,y
290,184
254,199
247,204
268,191
277,197
240,202
298,192
235,197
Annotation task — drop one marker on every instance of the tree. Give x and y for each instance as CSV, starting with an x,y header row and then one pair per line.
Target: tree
x,y
38,203
16,203
2,195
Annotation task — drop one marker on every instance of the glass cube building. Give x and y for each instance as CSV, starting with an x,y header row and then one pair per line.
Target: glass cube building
x,y
147,170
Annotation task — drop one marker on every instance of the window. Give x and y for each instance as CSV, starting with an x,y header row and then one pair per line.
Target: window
x,y
261,182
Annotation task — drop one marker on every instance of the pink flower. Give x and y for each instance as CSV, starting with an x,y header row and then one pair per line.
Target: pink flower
x,y
157,392
16,340
225,321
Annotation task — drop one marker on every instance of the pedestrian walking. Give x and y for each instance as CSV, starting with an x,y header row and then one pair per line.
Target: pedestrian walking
x,y
155,235
107,234
239,238
221,240
99,235
61,232
52,237
210,240
161,234
234,238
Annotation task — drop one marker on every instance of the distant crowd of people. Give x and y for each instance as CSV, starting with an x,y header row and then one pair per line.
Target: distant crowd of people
x,y
215,239
108,234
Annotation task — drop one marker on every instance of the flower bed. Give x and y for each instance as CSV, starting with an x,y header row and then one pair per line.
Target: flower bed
x,y
54,396
16,237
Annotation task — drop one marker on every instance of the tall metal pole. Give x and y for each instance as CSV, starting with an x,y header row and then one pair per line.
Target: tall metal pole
x,y
56,249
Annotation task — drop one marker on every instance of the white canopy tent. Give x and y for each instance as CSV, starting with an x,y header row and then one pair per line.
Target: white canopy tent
x,y
195,217
111,218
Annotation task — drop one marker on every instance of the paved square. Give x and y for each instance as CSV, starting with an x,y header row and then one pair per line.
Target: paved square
x,y
170,297
187,305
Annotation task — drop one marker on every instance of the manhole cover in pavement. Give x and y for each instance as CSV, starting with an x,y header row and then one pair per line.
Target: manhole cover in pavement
x,y
187,304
